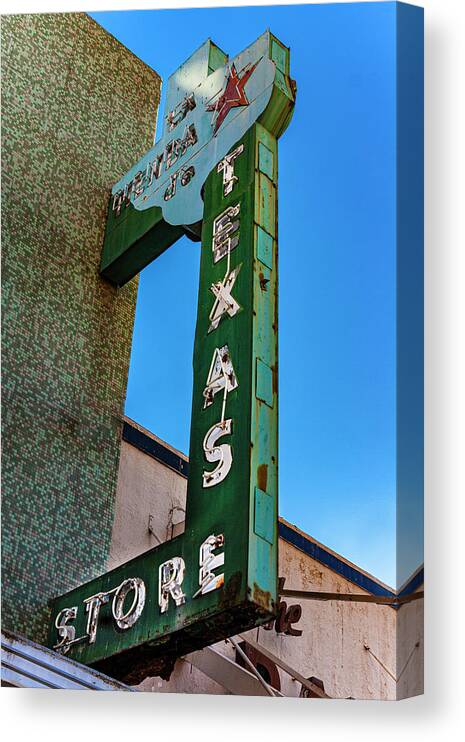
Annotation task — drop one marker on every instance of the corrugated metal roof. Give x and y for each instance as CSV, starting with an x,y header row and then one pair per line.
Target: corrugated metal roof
x,y
26,664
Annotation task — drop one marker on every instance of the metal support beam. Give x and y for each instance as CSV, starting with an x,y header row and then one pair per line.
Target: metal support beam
x,y
395,600
218,667
287,668
269,689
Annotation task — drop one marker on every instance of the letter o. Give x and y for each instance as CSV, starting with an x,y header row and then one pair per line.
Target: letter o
x,y
128,619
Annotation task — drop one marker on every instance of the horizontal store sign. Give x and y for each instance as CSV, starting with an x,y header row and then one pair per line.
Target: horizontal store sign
x,y
220,576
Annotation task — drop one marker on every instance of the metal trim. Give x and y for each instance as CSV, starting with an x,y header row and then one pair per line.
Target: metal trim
x,y
413,583
153,448
26,664
330,560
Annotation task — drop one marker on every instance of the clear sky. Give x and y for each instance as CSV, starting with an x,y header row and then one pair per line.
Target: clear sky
x,y
337,268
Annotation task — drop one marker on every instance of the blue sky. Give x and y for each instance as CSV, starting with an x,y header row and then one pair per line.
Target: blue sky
x,y
337,268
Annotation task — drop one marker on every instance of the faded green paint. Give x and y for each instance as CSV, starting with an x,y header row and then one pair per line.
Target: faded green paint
x,y
263,556
265,249
130,245
243,506
279,56
216,58
278,113
264,515
265,160
264,390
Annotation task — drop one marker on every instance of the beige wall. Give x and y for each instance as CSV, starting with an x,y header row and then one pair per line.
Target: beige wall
x,y
145,488
410,649
335,634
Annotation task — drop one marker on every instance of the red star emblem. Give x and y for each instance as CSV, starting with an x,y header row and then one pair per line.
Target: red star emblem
x,y
233,95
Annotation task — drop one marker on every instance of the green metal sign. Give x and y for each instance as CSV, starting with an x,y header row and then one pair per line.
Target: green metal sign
x,y
220,576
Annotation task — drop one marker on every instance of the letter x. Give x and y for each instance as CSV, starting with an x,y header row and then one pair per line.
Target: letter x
x,y
224,302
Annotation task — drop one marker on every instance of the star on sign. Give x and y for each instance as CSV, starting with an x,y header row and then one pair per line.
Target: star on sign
x,y
233,95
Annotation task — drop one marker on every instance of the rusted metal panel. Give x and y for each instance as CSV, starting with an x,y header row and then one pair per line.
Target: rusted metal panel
x,y
264,451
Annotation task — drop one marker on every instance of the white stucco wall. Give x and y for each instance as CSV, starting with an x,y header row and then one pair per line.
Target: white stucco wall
x,y
410,649
145,488
334,633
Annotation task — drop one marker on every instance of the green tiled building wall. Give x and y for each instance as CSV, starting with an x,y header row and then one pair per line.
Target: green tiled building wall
x,y
78,109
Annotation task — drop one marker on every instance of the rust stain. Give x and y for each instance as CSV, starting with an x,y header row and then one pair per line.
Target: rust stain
x,y
262,476
275,378
231,589
263,281
263,597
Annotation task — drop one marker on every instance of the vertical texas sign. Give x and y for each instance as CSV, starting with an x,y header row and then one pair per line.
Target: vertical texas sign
x,y
213,177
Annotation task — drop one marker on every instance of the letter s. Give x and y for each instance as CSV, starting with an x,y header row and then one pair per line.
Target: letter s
x,y
222,453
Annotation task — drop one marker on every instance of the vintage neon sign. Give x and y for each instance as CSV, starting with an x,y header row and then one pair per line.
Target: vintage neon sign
x,y
213,176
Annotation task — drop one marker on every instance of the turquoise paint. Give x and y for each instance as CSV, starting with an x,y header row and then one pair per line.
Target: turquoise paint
x,y
193,76
279,57
264,383
265,248
264,515
265,160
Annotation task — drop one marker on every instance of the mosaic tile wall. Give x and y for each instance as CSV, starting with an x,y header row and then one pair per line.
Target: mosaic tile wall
x,y
78,109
